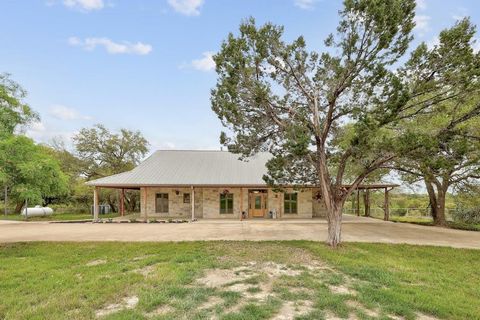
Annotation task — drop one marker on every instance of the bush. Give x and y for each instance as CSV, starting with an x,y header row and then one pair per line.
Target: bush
x,y
467,215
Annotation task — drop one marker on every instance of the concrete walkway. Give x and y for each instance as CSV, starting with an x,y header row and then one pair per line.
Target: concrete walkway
x,y
354,230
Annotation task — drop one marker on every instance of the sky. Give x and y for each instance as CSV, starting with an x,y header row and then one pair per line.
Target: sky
x,y
146,65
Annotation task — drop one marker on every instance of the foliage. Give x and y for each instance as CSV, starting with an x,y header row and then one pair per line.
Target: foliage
x,y
13,111
29,171
467,215
104,153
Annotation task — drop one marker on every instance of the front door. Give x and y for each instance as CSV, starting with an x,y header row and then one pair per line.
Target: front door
x,y
257,204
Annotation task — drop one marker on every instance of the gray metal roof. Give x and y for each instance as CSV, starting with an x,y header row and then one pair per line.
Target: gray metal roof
x,y
191,168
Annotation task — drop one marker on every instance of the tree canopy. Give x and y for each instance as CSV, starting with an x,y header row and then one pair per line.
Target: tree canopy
x,y
13,111
104,153
29,171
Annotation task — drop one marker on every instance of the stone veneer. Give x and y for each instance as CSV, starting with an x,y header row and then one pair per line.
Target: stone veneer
x,y
207,203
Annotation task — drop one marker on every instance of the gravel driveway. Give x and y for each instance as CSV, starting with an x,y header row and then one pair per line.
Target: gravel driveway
x,y
354,230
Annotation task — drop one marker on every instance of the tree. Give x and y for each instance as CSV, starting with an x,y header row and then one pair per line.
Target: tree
x,y
449,156
13,111
30,172
324,115
104,153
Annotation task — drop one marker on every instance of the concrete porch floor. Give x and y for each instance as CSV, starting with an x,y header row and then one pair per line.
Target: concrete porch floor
x,y
355,229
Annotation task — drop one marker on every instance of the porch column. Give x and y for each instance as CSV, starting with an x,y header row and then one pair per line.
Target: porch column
x,y
95,203
386,207
145,214
122,203
193,202
241,204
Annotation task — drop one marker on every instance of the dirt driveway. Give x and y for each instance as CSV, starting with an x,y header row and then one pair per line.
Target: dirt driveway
x,y
354,230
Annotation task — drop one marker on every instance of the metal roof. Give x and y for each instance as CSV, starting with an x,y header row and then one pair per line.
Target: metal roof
x,y
191,168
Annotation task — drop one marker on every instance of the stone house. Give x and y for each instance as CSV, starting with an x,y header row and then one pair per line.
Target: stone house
x,y
210,184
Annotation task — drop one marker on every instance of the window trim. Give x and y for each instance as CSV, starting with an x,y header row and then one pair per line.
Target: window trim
x,y
287,203
228,197
156,202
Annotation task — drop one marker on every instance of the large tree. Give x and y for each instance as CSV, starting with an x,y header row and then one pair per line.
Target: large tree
x,y
14,112
105,153
449,155
30,171
324,115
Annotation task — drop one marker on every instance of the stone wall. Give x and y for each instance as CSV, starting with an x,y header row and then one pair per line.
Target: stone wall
x,y
207,203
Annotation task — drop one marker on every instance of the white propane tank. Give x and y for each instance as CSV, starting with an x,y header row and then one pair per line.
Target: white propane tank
x,y
37,211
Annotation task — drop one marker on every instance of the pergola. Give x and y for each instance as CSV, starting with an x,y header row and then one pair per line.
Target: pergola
x,y
386,187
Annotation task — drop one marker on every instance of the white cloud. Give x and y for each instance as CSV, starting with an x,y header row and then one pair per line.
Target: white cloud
x,y
205,63
421,4
65,113
110,46
422,24
87,5
186,7
305,4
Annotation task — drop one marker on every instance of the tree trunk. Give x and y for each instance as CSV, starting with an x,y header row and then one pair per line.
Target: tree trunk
x,y
19,206
366,202
335,226
437,203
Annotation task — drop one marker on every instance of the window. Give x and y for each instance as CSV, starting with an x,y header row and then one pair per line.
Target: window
x,y
290,203
226,203
161,203
186,198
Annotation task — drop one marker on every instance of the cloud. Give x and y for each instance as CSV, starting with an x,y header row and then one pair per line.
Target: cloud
x,y
186,7
421,4
435,41
205,63
87,5
110,46
66,114
422,25
305,4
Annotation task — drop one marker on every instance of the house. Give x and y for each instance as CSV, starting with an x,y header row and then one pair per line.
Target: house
x,y
210,184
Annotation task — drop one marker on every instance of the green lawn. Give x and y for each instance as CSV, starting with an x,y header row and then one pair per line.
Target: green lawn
x,y
236,280
57,217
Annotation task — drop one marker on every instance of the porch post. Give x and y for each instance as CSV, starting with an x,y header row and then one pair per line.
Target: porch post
x,y
193,202
145,214
122,203
386,207
95,203
241,204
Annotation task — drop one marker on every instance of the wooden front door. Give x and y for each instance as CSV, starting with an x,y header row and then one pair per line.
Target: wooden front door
x,y
257,204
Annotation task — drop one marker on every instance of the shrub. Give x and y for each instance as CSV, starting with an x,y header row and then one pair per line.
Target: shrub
x,y
467,215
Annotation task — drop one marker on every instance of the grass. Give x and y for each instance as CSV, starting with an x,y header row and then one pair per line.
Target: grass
x,y
57,217
74,280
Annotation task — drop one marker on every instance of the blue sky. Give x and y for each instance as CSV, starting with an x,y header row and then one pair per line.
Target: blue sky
x,y
145,65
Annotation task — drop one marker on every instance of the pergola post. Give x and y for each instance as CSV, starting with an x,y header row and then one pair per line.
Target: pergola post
x,y
366,200
122,203
386,206
193,202
95,204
